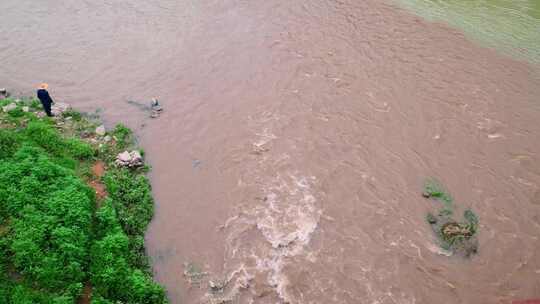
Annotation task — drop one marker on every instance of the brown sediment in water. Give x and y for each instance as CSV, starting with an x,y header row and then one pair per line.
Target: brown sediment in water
x,y
295,136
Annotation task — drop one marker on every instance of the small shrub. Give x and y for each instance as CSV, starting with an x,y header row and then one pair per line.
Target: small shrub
x,y
9,143
17,112
123,136
79,149
45,136
132,199
76,116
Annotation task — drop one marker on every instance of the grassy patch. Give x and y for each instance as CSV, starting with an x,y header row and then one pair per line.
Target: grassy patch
x,y
53,237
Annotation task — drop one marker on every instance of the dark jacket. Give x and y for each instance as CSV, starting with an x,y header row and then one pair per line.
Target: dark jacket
x,y
44,97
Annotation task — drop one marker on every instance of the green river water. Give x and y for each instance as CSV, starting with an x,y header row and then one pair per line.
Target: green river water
x,y
512,26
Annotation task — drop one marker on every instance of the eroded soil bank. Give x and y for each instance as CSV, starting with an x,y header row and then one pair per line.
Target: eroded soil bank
x,y
295,139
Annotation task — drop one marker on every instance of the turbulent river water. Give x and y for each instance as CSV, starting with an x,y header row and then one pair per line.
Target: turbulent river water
x,y
288,163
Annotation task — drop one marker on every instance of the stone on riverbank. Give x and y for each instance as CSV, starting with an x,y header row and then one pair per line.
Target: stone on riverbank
x,y
100,131
59,107
129,159
9,107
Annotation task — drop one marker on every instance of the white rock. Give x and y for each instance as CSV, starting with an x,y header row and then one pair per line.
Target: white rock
x,y
107,138
124,157
101,130
26,109
9,107
129,159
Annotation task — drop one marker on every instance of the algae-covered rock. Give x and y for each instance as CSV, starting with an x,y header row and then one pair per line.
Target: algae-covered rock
x,y
458,237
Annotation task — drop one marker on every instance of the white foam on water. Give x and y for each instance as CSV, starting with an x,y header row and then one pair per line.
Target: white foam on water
x,y
287,223
270,231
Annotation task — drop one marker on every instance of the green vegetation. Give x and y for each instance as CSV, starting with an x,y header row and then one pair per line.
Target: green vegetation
x,y
455,236
433,188
55,237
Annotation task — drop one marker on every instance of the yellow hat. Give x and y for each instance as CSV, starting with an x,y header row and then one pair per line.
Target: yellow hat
x,y
43,86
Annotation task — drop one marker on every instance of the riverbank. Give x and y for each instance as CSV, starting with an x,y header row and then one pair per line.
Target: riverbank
x,y
72,216
309,126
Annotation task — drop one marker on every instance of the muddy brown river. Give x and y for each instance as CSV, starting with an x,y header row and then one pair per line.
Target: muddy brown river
x,y
289,161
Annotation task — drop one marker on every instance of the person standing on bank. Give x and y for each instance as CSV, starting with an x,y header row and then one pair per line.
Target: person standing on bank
x,y
45,98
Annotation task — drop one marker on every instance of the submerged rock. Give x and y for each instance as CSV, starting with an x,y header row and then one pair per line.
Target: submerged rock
x,y
456,237
129,159
156,108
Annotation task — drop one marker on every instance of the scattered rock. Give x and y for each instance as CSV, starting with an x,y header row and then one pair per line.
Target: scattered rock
x,y
4,93
217,285
9,107
26,109
107,138
100,131
85,134
129,159
194,274
58,108
156,108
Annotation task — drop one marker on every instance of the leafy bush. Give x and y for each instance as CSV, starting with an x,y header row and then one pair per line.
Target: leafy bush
x,y
9,143
17,112
132,199
79,149
51,233
114,277
123,136
45,136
